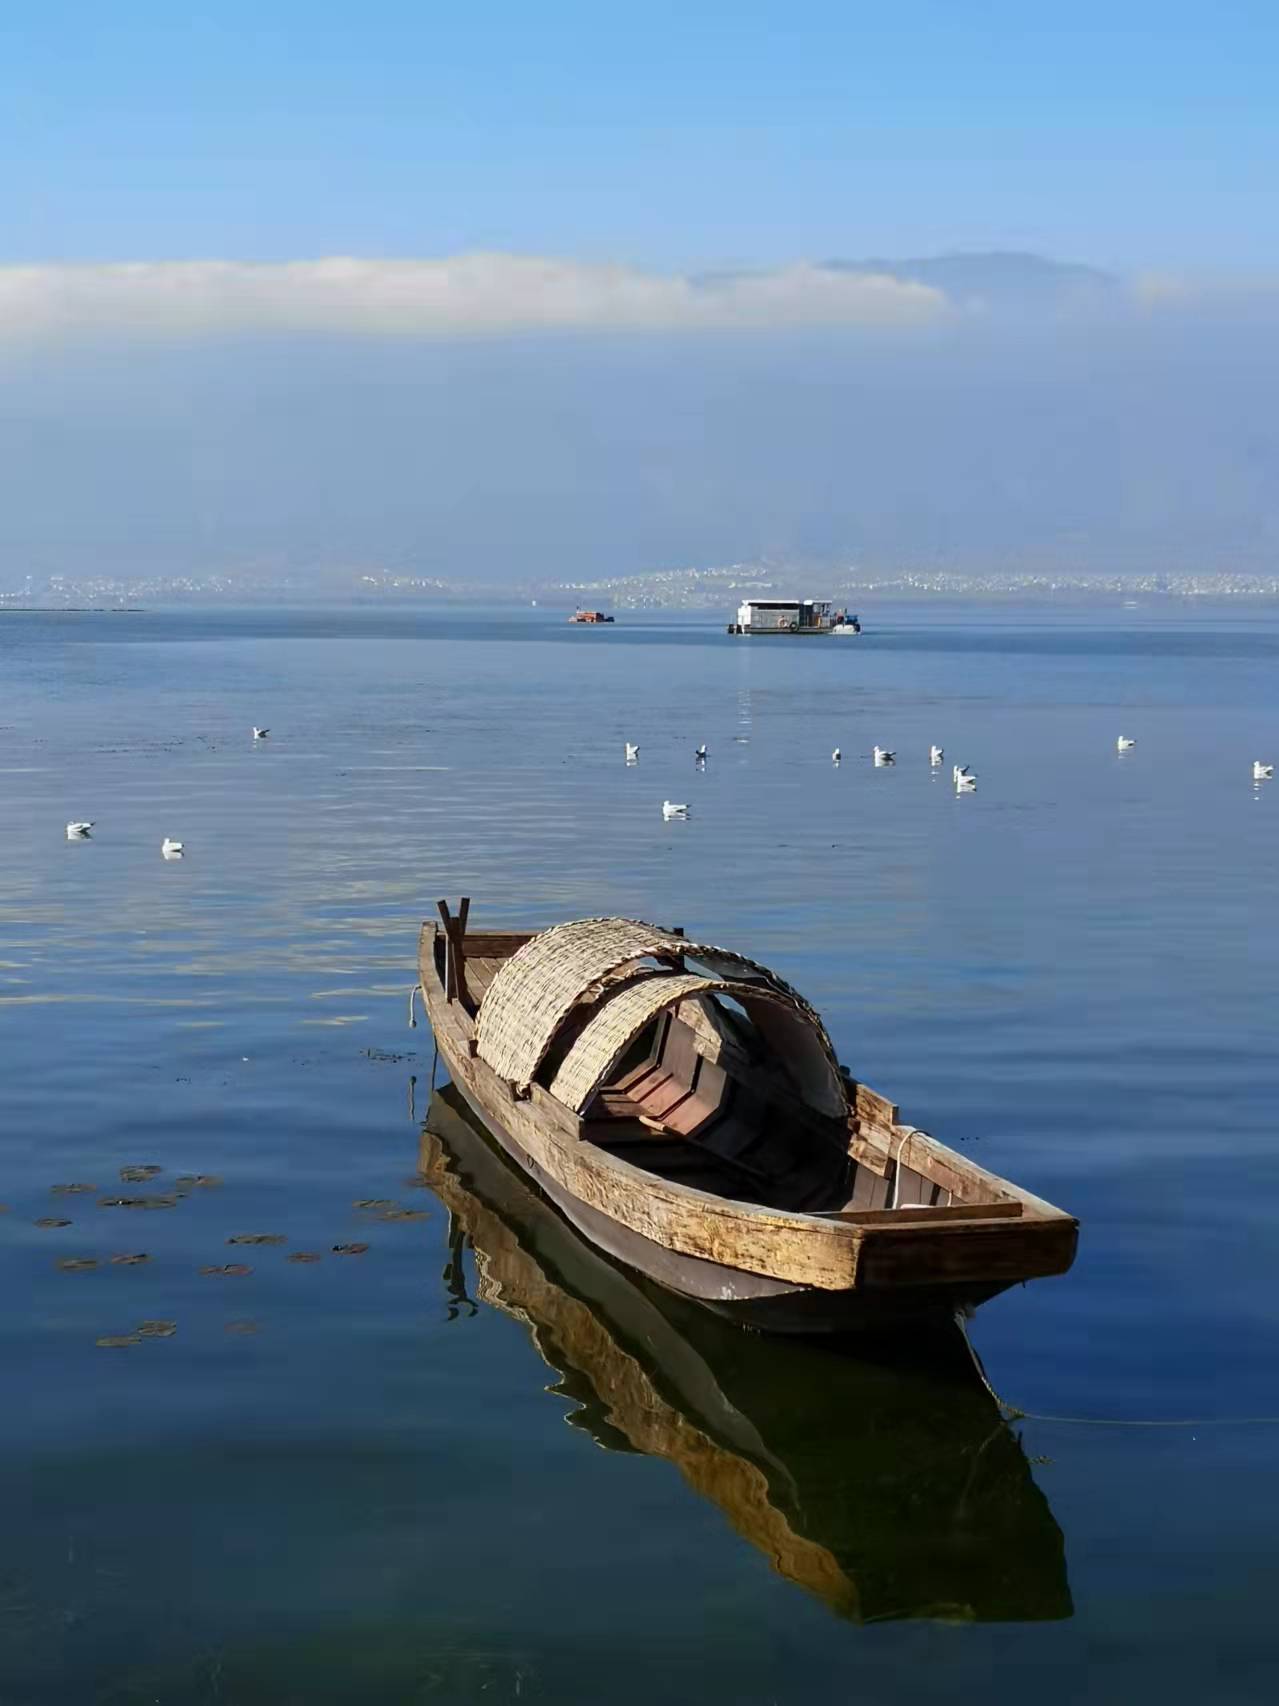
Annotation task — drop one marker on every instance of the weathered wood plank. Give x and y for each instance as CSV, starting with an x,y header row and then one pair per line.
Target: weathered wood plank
x,y
955,1174
450,979
496,944
923,1217
870,1106
870,1157
455,988
1029,1248
563,1119
480,973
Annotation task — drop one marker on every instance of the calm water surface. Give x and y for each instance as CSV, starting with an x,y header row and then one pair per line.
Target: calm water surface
x,y
379,1475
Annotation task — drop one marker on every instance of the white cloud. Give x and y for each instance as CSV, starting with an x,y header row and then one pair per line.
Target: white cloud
x,y
463,295
1205,290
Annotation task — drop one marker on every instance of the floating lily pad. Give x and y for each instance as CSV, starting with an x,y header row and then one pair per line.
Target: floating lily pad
x,y
117,1341
305,1256
404,1214
76,1264
72,1190
242,1327
198,1182
374,1203
156,1329
229,1268
49,1221
139,1175
130,1259
349,1249
258,1238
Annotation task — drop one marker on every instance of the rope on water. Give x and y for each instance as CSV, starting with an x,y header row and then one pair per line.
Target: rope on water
x,y
1011,1413
412,1006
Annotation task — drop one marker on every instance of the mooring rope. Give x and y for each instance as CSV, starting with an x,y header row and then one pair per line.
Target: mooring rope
x,y
412,1006
895,1162
1013,1413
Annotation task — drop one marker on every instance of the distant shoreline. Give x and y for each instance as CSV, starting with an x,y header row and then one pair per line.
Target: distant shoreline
x,y
514,603
638,612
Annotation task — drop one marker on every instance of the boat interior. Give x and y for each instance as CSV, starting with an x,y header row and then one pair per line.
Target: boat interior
x,y
703,1097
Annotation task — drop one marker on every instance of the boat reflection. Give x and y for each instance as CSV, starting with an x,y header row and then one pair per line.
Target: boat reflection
x,y
890,1488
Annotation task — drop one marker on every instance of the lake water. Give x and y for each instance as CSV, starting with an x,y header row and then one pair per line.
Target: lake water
x,y
379,1476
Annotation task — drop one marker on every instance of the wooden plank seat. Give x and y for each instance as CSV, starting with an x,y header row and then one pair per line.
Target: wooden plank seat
x,y
481,969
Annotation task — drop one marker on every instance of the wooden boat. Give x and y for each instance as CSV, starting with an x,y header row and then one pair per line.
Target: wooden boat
x,y
886,1487
684,1107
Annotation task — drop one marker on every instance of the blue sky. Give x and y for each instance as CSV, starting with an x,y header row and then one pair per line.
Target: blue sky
x,y
582,325
660,135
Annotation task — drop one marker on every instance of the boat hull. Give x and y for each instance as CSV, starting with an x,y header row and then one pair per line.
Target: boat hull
x,y
862,1270
752,1300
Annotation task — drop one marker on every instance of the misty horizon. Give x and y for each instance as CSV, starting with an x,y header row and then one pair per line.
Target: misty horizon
x,y
1036,413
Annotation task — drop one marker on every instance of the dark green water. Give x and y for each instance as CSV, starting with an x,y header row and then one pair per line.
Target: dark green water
x,y
379,1476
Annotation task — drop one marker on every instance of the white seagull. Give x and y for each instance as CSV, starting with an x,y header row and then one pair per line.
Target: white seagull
x,y
632,752
670,808
260,734
962,773
79,831
1260,773
882,757
965,784
935,756
170,848
700,754
836,756
1124,744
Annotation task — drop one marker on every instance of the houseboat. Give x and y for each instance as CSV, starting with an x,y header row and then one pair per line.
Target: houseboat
x,y
590,617
792,616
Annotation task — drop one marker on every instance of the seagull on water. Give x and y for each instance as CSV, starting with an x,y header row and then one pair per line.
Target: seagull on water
x,y
632,752
670,809
700,754
170,848
883,757
836,756
962,773
965,784
79,831
935,756
260,734
1260,773
1124,744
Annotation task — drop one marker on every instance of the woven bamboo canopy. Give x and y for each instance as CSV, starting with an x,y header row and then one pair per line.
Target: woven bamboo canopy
x,y
631,971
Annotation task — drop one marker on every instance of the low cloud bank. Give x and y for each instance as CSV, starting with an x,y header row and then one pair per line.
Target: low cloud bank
x,y
467,295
